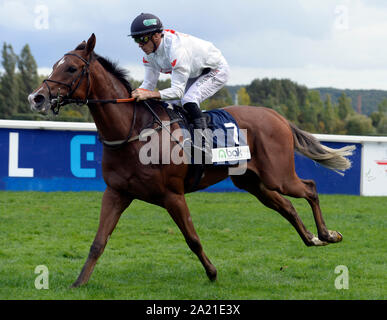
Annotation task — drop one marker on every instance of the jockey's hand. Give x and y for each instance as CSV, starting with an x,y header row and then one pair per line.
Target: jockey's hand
x,y
143,94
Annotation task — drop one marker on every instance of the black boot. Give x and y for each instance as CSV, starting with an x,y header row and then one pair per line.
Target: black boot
x,y
200,122
201,125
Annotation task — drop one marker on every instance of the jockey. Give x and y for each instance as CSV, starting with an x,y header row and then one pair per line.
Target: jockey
x,y
198,69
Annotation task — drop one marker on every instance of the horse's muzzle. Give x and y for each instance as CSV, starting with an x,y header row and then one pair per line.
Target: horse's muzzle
x,y
39,102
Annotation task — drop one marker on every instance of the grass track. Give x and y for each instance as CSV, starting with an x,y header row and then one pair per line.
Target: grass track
x,y
147,257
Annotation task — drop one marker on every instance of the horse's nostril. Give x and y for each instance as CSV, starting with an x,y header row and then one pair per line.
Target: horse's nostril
x,y
39,99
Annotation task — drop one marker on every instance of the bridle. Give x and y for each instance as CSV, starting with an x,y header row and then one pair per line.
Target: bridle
x,y
59,101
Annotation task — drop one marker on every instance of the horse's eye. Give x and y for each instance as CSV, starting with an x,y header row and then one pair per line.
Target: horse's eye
x,y
71,69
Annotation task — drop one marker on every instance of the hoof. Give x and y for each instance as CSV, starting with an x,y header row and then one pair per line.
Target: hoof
x,y
333,237
318,243
212,275
337,236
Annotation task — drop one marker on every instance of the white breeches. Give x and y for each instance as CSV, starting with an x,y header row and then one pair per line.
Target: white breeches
x,y
205,86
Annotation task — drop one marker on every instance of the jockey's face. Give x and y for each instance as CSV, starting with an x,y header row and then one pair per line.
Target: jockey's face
x,y
152,44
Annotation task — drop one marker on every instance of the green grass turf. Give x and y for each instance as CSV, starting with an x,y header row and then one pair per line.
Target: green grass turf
x,y
257,253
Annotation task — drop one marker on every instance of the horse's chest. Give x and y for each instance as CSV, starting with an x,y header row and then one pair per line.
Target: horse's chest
x,y
130,179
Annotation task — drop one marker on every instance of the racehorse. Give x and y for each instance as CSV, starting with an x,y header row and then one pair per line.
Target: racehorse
x,y
85,77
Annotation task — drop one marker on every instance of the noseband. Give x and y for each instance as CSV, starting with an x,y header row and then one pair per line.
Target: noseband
x,y
59,100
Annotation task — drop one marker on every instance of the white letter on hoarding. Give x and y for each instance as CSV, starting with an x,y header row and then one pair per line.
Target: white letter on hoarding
x,y
13,164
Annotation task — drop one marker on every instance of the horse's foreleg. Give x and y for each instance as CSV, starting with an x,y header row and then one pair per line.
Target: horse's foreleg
x,y
178,209
113,204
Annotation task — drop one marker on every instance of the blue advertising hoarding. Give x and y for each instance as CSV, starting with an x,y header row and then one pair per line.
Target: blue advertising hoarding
x,y
50,160
327,181
47,160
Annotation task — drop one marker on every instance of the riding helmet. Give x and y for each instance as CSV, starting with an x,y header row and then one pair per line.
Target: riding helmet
x,y
145,23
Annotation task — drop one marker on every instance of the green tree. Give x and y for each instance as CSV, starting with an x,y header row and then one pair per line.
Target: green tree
x,y
382,126
308,117
8,83
163,84
219,100
243,97
344,106
382,107
293,110
284,95
358,124
328,115
258,91
28,78
311,111
376,117
379,118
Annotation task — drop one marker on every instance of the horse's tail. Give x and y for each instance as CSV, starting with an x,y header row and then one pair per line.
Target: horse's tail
x,y
309,146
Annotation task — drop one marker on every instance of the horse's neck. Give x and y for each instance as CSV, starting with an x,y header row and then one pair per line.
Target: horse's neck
x,y
113,121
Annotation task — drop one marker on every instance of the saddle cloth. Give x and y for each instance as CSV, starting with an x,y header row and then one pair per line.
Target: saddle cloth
x,y
228,142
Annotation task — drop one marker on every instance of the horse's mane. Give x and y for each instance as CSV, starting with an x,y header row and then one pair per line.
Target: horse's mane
x,y
118,72
112,67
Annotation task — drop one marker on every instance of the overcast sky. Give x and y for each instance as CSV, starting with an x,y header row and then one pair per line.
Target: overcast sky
x,y
317,43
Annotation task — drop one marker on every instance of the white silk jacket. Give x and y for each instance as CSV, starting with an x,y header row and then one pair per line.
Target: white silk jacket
x,y
184,57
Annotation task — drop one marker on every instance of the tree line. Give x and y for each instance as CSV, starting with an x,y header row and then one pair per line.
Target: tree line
x,y
19,77
311,112
15,86
304,107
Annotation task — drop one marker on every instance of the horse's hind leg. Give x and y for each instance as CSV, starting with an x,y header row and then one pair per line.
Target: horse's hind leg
x,y
178,209
295,187
113,204
273,200
311,196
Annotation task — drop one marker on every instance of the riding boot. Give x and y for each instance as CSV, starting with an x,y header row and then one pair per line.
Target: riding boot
x,y
200,122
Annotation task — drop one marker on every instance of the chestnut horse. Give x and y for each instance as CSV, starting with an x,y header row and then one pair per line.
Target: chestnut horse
x,y
83,76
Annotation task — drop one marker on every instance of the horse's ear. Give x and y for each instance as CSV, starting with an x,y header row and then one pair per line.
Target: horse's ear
x,y
90,44
81,46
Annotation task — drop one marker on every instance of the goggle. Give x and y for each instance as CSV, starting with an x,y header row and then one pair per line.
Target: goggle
x,y
143,39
